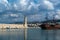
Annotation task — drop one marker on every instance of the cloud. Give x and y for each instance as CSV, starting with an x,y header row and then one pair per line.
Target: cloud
x,y
24,5
55,2
36,17
11,17
58,14
3,4
33,5
14,15
57,17
10,14
4,1
23,2
15,6
49,5
28,7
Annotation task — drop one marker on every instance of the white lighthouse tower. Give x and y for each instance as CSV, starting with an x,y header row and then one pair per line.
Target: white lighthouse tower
x,y
25,21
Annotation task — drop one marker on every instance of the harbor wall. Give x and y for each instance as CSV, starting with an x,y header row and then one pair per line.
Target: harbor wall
x,y
11,26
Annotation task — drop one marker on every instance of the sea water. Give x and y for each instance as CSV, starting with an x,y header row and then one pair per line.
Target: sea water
x,y
32,34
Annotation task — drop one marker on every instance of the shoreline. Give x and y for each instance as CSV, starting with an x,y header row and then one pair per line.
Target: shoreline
x,y
19,28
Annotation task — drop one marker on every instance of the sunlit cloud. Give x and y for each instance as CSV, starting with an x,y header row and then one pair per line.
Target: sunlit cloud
x,y
57,14
49,5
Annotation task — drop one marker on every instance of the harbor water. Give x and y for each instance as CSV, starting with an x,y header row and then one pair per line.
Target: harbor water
x,y
32,34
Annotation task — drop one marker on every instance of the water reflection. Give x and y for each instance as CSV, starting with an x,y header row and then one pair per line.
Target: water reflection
x,y
32,34
12,34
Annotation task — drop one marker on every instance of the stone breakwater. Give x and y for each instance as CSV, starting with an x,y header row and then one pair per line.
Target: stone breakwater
x,y
11,26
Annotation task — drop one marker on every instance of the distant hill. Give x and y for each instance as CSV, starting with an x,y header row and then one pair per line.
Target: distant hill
x,y
23,22
34,22
16,23
51,21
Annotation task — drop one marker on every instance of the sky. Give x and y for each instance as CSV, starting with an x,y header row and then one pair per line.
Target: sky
x,y
36,10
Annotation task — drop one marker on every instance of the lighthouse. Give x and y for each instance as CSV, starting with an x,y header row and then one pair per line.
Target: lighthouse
x,y
25,21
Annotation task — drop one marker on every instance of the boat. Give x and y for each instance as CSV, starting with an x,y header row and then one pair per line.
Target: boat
x,y
50,24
